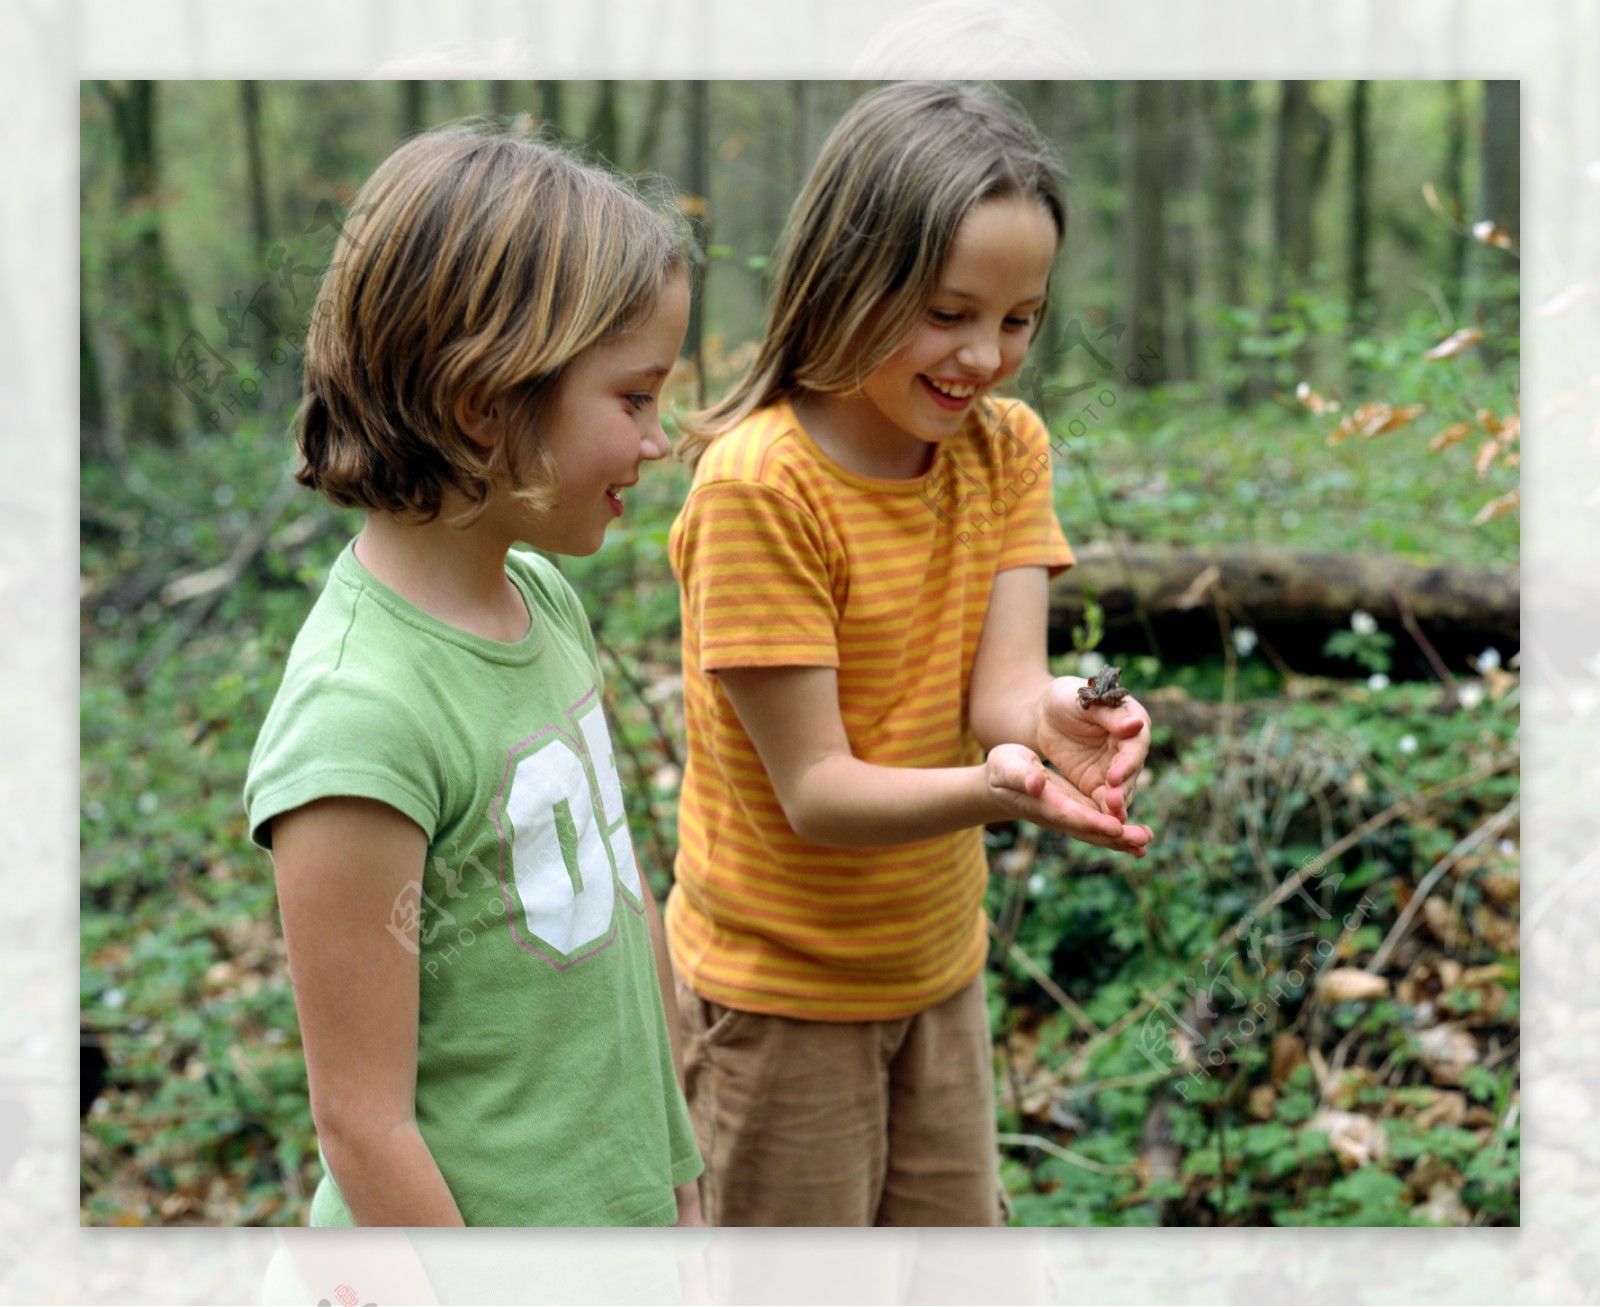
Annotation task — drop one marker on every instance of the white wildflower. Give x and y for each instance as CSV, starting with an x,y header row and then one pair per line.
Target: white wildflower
x,y
1091,663
1036,883
1470,695
1362,622
1377,681
1407,744
1488,660
113,997
148,803
1244,641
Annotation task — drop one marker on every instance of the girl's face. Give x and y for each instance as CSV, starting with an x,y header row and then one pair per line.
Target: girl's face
x,y
975,331
603,421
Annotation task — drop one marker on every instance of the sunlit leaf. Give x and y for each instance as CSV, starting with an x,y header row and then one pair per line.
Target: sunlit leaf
x,y
1489,233
1458,343
1452,434
1316,403
1507,503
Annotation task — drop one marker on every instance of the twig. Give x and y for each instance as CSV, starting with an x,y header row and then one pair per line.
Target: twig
x,y
250,544
1487,830
1079,1060
1065,1154
1408,618
1046,983
636,687
1293,882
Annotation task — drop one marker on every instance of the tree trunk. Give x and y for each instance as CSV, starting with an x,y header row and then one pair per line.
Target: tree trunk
x,y
1182,164
553,106
1302,152
413,106
1454,198
1142,348
1460,609
143,286
604,136
501,98
644,153
260,218
1232,120
699,176
1499,202
1359,294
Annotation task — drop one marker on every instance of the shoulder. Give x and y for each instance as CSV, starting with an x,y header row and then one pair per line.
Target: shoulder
x,y
1011,428
767,448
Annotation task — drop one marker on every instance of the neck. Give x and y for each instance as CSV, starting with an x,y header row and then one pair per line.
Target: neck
x,y
850,432
455,574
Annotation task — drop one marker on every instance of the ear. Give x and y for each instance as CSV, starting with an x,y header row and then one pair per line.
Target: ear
x,y
479,420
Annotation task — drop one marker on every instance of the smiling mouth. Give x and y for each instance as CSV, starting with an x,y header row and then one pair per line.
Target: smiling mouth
x,y
951,395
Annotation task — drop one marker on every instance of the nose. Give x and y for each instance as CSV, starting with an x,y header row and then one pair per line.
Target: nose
x,y
980,353
656,442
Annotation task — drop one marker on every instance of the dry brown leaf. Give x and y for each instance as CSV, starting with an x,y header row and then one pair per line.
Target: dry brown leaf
x,y
1488,232
1349,985
1443,924
1489,422
1374,420
1476,977
1318,404
1355,1140
1288,1053
1450,346
1447,1051
1484,459
1502,886
1443,1207
1507,503
1452,434
1446,1107
1262,1102
1500,933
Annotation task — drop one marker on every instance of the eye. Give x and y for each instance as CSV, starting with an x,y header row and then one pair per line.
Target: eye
x,y
944,317
1020,323
640,401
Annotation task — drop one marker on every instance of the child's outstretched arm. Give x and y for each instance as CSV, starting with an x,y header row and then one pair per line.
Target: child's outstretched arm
x,y
347,869
833,798
1013,697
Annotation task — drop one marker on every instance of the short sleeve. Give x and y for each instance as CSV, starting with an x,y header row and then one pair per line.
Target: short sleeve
x,y
756,585
1033,535
338,735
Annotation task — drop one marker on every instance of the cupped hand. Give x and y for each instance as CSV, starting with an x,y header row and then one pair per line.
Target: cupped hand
x,y
1100,750
1029,790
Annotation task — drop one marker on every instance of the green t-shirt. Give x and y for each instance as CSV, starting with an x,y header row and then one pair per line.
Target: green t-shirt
x,y
545,1088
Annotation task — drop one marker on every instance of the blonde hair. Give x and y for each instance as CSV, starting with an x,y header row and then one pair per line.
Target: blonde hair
x,y
867,239
475,263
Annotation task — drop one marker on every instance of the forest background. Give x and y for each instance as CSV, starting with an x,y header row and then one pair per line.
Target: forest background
x,y
1290,310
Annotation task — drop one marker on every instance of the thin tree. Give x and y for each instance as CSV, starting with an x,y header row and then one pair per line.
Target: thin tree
x,y
1229,111
153,314
697,205
1141,351
1358,292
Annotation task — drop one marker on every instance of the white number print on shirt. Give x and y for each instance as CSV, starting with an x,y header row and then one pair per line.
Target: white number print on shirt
x,y
560,814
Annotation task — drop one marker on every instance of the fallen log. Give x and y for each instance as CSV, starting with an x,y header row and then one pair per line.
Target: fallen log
x,y
1291,600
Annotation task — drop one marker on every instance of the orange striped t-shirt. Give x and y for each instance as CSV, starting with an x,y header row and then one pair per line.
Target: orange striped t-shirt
x,y
784,558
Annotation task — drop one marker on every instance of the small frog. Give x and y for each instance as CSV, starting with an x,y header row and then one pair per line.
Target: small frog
x,y
1103,689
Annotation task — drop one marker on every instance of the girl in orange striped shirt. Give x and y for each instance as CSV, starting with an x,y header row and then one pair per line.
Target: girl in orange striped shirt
x,y
863,559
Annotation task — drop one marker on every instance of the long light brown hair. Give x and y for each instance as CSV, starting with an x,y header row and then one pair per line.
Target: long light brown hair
x,y
867,239
475,262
